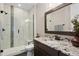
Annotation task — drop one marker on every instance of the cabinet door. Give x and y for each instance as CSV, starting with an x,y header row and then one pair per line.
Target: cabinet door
x,y
40,52
44,50
61,54
36,51
48,50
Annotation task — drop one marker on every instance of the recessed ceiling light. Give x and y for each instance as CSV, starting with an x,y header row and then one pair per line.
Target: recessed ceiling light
x,y
19,5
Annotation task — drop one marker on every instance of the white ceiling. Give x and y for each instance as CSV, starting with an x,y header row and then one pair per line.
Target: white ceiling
x,y
25,6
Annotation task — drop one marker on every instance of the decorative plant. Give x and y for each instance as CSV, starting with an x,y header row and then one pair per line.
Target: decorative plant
x,y
76,25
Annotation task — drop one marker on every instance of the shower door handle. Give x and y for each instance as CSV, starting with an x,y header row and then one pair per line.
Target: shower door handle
x,y
18,31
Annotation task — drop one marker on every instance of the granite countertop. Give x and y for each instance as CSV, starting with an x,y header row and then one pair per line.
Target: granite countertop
x,y
64,46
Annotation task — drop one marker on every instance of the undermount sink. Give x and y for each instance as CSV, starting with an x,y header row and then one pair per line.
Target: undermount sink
x,y
52,42
64,43
61,45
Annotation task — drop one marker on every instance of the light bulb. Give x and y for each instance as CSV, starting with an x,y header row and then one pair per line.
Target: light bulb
x,y
19,5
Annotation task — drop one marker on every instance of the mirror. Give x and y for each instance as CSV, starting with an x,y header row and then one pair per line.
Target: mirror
x,y
58,20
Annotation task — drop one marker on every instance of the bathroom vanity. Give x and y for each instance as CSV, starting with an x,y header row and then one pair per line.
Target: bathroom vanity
x,y
46,47
41,49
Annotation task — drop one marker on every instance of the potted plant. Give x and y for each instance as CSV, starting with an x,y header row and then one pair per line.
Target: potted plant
x,y
75,22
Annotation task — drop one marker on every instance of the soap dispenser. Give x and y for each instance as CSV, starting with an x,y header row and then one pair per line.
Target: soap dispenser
x,y
37,36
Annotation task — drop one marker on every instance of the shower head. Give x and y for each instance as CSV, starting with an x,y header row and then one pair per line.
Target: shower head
x,y
3,12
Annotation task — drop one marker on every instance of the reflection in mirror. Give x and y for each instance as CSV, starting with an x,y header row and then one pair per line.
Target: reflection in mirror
x,y
59,18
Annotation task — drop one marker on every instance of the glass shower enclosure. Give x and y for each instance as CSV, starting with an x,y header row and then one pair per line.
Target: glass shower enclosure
x,y
16,27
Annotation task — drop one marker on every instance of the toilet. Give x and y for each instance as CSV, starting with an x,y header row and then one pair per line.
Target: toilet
x,y
30,49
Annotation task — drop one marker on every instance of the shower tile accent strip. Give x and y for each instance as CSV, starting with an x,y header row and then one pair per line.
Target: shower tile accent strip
x,y
12,26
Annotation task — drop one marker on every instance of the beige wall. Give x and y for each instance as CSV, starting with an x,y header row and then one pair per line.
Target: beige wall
x,y
41,8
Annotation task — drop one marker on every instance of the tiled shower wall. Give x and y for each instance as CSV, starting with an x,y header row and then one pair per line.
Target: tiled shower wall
x,y
25,28
23,22
5,24
19,25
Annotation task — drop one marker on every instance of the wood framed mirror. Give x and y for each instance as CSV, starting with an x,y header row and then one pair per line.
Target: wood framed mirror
x,y
58,19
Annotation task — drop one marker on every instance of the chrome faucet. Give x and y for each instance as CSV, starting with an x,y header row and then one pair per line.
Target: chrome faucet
x,y
68,39
57,37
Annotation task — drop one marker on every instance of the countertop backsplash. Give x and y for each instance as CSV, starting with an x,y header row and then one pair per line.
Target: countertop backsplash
x,y
61,36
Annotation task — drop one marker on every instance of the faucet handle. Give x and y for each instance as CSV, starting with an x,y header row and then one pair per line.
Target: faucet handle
x,y
57,37
67,39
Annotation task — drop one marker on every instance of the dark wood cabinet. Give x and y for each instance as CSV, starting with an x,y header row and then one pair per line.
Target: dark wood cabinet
x,y
41,49
62,54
